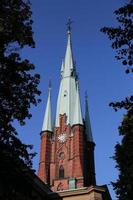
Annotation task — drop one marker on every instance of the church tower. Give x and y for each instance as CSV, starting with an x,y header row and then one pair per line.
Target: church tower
x,y
67,149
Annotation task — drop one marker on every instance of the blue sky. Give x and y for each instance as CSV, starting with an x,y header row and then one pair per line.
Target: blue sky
x,y
100,74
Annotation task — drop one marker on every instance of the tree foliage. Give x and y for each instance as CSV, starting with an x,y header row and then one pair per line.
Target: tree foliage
x,y
18,86
124,159
122,41
122,36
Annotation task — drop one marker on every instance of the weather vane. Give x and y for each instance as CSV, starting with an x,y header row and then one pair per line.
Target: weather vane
x,y
69,24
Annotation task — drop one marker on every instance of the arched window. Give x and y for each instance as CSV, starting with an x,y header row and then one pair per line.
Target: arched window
x,y
61,172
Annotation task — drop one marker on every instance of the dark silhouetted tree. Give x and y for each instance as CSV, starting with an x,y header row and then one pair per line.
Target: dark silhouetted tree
x,y
122,41
122,36
18,84
124,159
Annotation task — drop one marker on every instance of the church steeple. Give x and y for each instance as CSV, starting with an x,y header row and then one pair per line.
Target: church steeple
x,y
69,63
67,90
88,131
66,156
47,123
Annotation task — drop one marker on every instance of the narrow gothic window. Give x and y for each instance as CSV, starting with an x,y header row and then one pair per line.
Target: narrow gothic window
x,y
61,172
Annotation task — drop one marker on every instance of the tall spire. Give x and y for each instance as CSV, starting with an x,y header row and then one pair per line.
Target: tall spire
x,y
87,121
77,118
67,90
47,123
68,61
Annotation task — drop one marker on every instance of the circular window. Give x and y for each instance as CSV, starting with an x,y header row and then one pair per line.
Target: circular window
x,y
61,155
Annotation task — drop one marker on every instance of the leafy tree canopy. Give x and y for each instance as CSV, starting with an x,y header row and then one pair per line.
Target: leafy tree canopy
x,y
122,36
124,159
18,86
122,41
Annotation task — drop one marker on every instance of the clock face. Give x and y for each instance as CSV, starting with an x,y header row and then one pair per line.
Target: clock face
x,y
62,137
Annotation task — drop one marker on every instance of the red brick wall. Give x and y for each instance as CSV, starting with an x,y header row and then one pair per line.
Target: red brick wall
x,y
78,160
78,145
45,152
73,155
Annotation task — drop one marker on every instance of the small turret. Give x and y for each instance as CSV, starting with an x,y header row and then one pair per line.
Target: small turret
x,y
45,148
89,162
88,131
47,123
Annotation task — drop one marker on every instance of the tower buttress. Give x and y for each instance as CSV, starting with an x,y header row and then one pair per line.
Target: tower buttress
x,y
78,154
47,122
45,147
89,161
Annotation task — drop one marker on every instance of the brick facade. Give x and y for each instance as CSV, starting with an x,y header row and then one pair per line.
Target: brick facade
x,y
67,163
45,155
